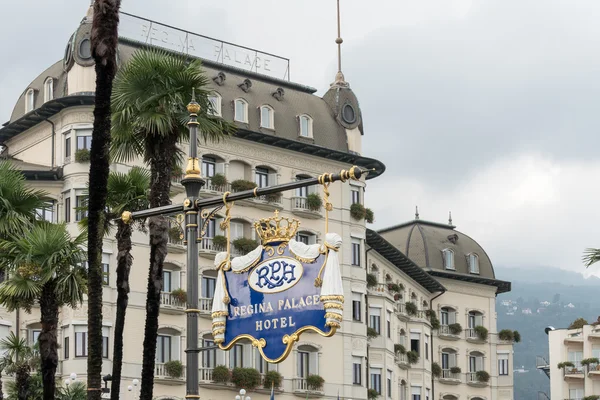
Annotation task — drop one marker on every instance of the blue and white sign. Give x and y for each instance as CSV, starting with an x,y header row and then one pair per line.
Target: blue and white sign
x,y
277,291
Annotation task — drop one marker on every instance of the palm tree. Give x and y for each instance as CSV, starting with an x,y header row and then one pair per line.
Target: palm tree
x,y
45,265
104,42
75,391
149,116
20,360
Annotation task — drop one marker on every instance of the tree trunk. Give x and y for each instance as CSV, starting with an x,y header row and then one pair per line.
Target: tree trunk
x,y
124,261
22,381
48,340
1,392
104,38
161,165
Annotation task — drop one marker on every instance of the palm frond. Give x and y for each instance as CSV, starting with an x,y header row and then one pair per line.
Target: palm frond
x,y
591,256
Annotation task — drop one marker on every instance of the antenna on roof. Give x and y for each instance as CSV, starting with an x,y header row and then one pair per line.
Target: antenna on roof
x,y
339,77
416,212
449,217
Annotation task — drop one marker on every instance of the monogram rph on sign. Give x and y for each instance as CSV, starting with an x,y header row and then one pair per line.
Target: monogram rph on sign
x,y
279,290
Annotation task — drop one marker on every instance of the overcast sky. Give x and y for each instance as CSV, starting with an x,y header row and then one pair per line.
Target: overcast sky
x,y
487,108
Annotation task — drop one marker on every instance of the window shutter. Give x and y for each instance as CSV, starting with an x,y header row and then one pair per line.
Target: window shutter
x,y
451,317
452,360
479,364
314,363
220,168
273,179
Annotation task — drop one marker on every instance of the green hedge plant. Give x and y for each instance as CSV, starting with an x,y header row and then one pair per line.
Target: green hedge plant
x,y
174,369
481,332
399,349
272,379
246,378
412,357
455,328
180,295
314,382
517,336
372,394
82,155
411,308
565,364
358,211
239,185
482,376
371,333
507,335
314,202
221,374
244,245
219,241
371,280
436,370
455,370
218,180
369,215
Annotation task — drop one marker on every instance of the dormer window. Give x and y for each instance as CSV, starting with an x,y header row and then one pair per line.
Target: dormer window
x,y
306,129
215,104
473,263
267,117
29,100
448,256
241,111
48,90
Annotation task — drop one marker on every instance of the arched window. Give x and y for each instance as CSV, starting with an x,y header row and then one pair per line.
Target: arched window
x,y
308,361
167,345
449,363
473,263
448,257
29,100
475,321
241,111
447,317
48,89
240,355
265,176
475,362
215,104
267,117
306,126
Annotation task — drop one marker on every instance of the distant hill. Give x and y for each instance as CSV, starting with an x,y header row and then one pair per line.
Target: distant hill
x,y
570,295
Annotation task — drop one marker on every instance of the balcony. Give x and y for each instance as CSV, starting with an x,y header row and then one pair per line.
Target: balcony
x,y
176,186
472,336
542,363
402,361
170,304
400,309
175,238
269,202
205,375
205,307
162,376
300,207
211,189
594,334
473,380
450,378
446,333
300,387
575,372
207,248
574,338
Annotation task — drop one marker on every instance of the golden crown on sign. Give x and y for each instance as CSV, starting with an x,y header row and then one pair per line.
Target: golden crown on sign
x,y
276,229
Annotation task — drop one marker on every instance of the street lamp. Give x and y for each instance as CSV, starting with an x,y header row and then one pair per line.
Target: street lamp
x,y
242,395
73,376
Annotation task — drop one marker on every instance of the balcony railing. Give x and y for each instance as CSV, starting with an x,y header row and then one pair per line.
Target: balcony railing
x,y
300,384
161,371
401,358
206,244
301,203
445,330
573,371
448,374
472,377
210,186
270,198
167,299
205,374
205,304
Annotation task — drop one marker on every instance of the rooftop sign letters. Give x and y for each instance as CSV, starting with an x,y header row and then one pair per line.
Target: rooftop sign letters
x,y
174,39
277,291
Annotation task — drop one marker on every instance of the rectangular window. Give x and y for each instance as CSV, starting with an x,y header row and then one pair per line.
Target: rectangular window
x,y
67,148
576,394
237,230
356,308
262,177
356,252
375,319
376,380
209,165
163,349
426,347
355,193
415,342
389,384
236,356
302,238
67,209
81,343
356,370
303,364
66,347
35,335
427,394
474,263
166,281
105,274
209,357
84,139
240,111
416,392
502,364
388,323
265,117
105,336
215,102
208,287
81,205
45,213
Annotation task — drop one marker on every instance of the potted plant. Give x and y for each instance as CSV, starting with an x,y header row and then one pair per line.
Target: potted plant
x,y
436,370
273,198
82,155
411,308
244,245
412,357
247,378
565,364
371,280
433,319
314,202
371,333
358,211
219,241
455,328
218,181
506,335
180,295
372,394
394,288
369,216
592,397
517,336
482,376
481,332
455,370
239,185
174,368
272,379
220,374
399,349
588,361
314,382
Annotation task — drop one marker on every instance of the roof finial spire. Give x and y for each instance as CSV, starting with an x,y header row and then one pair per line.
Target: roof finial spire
x,y
339,77
416,212
449,217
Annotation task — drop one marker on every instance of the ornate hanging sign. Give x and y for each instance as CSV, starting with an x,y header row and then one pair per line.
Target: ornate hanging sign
x,y
277,291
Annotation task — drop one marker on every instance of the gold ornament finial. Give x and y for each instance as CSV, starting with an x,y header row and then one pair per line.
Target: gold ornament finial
x,y
126,217
276,229
193,107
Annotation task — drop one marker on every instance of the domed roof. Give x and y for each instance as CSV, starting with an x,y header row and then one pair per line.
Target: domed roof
x,y
424,243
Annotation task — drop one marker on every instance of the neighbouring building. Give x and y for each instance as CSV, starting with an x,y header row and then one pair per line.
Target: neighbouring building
x,y
394,280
